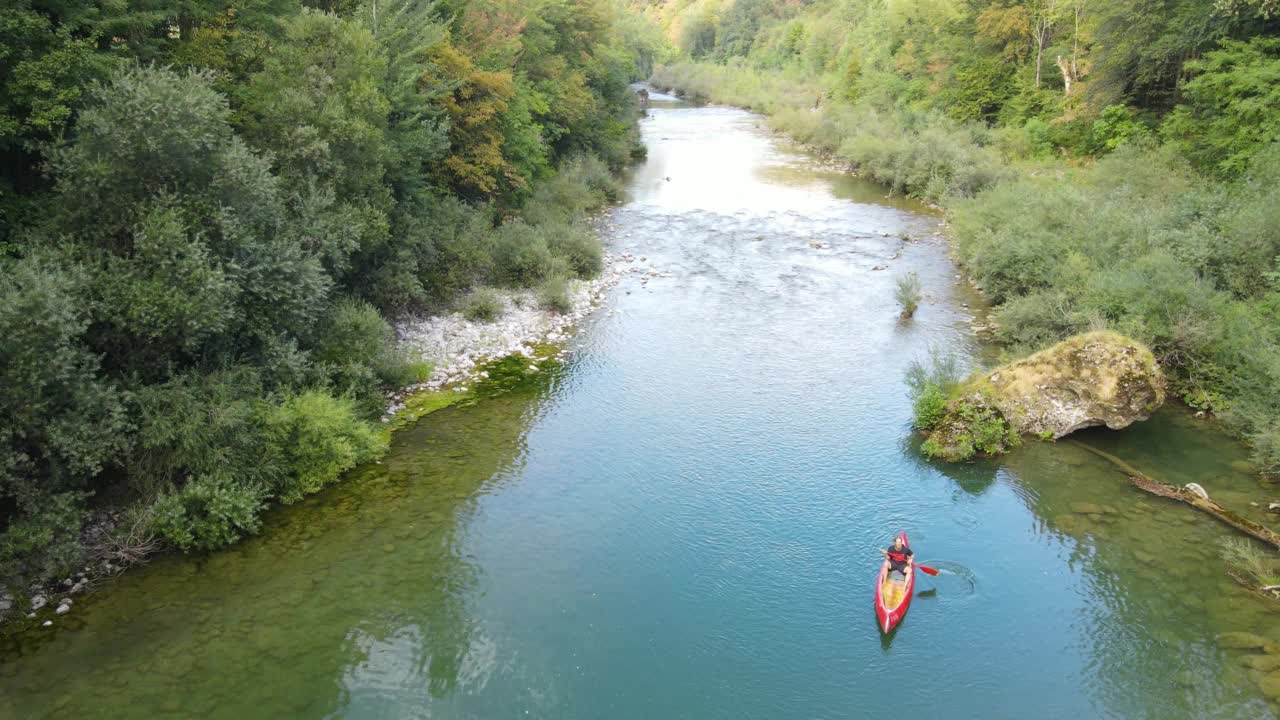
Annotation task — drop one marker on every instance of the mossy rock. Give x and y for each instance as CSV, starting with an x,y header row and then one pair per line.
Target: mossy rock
x,y
1086,508
1096,378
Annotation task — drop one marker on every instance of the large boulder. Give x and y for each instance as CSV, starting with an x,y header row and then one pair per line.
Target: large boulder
x,y
1097,378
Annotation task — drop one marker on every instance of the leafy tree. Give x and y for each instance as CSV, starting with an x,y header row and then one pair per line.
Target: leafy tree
x,y
317,105
1231,107
475,165
63,423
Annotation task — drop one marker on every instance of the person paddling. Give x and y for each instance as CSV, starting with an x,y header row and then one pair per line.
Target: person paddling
x,y
898,557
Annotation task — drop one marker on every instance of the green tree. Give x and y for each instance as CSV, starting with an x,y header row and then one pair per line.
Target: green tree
x,y
1231,107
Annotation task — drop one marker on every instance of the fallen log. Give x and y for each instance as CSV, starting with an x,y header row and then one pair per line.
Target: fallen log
x,y
1190,497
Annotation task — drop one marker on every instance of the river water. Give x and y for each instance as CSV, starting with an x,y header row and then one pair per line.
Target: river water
x,y
681,520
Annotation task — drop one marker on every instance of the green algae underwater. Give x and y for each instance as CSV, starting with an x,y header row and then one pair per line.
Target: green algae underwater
x,y
680,520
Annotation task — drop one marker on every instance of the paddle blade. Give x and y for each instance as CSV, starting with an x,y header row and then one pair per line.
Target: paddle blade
x,y
926,569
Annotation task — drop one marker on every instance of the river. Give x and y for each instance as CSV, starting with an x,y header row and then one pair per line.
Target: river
x,y
681,520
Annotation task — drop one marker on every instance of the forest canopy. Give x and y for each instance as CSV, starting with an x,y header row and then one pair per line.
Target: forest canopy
x,y
210,210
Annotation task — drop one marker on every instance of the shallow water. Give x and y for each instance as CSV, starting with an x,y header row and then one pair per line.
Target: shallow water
x,y
681,520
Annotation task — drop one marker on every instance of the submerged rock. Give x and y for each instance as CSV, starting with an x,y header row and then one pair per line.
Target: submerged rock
x,y
1241,641
1270,686
1263,663
1097,378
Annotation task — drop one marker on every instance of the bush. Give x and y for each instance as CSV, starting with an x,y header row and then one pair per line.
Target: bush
x,y
930,384
315,438
359,351
554,294
1116,127
63,422
929,407
207,513
353,332
521,257
971,426
482,305
580,248
908,293
42,544
1252,563
200,425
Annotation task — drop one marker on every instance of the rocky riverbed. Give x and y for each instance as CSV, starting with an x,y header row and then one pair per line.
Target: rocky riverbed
x,y
458,348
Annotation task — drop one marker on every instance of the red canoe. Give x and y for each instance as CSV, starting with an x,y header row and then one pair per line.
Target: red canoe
x,y
893,596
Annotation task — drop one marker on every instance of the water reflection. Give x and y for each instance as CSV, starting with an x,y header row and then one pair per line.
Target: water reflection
x,y
361,589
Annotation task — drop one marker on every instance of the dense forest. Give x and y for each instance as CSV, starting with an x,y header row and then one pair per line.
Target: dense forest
x,y
1103,164
209,210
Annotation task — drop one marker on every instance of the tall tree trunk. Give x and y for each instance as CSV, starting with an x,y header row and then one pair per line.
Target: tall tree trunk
x,y
1075,43
1039,51
1066,75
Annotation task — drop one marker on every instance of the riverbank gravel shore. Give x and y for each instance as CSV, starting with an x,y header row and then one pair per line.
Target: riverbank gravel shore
x,y
457,348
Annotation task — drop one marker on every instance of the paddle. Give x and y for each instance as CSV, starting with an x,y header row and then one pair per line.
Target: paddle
x,y
923,568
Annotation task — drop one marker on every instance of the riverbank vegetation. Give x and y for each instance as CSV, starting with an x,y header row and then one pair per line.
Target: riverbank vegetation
x,y
1250,564
209,211
908,292
1104,165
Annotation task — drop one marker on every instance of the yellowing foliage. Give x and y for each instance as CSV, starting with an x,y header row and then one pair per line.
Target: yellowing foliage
x,y
474,107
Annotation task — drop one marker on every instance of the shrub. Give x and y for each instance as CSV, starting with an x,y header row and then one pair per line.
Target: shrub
x,y
358,349
1252,563
930,384
580,248
521,257
353,332
482,305
63,422
554,294
207,513
1114,128
971,426
199,425
908,293
316,437
929,407
42,544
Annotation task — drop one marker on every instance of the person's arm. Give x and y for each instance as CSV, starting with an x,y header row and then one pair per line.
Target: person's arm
x,y
883,552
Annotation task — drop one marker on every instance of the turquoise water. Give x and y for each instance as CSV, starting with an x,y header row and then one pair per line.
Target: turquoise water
x,y
681,521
